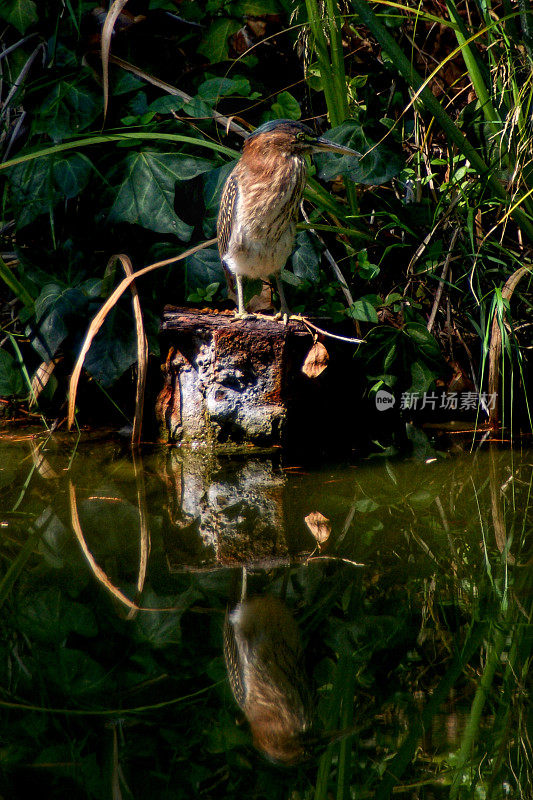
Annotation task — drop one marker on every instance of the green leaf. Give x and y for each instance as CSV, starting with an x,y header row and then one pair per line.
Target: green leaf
x,y
146,195
286,107
423,340
68,109
204,268
32,190
74,672
19,13
366,505
379,166
215,88
159,628
166,105
113,351
215,43
55,307
305,259
71,174
38,185
422,377
11,381
363,310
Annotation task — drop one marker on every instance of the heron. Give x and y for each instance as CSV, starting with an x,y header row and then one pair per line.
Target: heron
x,y
259,205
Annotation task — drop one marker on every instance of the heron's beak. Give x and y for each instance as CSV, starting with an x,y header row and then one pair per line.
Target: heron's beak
x,y
325,146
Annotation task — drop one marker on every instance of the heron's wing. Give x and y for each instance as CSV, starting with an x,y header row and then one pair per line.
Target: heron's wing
x,y
233,663
228,205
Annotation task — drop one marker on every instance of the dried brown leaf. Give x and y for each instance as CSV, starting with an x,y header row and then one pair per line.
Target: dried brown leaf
x,y
316,361
319,525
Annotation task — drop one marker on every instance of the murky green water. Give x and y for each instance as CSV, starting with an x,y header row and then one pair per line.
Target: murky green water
x,y
414,610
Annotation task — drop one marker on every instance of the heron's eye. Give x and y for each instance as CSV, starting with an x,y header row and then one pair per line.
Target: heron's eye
x,y
301,137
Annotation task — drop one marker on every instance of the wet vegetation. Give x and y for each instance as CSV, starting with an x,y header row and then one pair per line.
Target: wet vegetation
x,y
119,130
414,613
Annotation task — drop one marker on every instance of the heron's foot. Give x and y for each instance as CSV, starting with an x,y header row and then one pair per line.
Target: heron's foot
x,y
283,315
242,316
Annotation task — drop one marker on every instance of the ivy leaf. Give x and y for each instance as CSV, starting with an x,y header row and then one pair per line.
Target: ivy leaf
x,y
50,615
32,190
38,185
213,185
146,195
11,383
71,174
215,88
19,13
423,340
113,351
215,43
286,107
204,268
55,307
68,109
363,310
422,377
305,259
379,166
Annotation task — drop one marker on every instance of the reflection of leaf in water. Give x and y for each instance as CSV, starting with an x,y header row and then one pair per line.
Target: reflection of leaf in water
x,y
73,671
49,616
319,525
162,628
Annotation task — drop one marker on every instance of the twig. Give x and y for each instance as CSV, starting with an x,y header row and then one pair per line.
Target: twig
x,y
335,558
334,266
327,333
438,293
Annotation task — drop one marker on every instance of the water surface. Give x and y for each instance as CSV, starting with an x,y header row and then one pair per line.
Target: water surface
x,y
414,610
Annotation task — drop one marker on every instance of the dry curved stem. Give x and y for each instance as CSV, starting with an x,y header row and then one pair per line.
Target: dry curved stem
x,y
98,572
495,348
99,318
142,350
144,532
105,45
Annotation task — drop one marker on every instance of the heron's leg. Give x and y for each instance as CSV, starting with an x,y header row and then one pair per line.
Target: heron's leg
x,y
284,312
241,312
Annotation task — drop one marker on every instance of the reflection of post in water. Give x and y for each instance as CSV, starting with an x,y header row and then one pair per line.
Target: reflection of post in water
x,y
264,659
496,501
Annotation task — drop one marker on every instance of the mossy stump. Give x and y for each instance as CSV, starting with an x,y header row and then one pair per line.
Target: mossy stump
x,y
231,382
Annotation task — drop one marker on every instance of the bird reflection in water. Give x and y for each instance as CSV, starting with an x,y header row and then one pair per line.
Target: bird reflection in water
x,y
264,659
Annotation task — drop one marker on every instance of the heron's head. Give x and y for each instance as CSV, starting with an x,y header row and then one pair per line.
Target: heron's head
x,y
288,137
